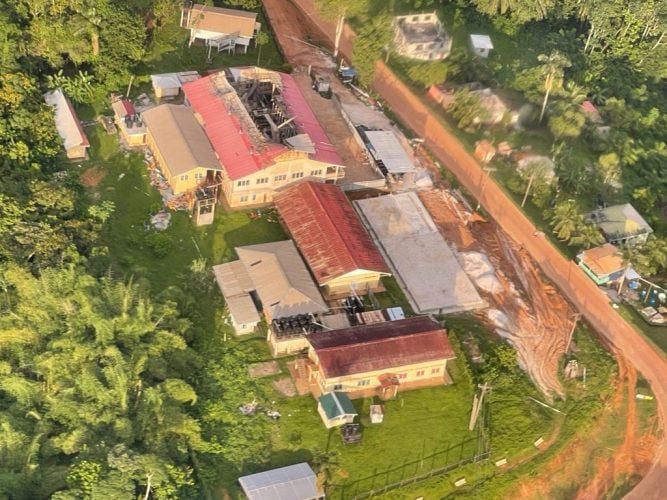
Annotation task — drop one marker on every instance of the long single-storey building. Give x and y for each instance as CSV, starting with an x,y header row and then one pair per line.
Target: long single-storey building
x,y
422,262
380,358
263,131
338,249
180,147
68,125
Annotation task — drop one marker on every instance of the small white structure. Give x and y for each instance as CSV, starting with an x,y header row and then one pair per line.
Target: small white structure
x,y
219,27
421,36
169,84
377,414
481,45
68,125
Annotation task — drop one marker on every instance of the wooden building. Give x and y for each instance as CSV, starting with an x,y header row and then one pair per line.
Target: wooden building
x,y
339,251
68,125
180,147
266,140
380,359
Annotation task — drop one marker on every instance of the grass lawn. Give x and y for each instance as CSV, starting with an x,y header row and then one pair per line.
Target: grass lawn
x,y
657,335
418,422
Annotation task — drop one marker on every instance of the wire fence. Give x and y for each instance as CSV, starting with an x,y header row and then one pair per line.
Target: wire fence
x,y
423,467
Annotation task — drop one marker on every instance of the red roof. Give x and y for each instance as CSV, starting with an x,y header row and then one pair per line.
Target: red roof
x,y
234,146
129,107
380,346
327,231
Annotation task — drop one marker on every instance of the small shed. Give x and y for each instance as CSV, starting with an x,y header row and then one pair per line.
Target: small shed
x,y
336,409
169,84
294,482
481,45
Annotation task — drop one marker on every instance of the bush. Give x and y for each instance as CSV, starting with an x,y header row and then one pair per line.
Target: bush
x,y
159,244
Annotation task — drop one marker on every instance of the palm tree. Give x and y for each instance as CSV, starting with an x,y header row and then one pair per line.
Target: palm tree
x,y
552,68
566,219
587,236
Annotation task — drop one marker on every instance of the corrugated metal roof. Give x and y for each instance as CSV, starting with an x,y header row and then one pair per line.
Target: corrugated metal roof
x,y
386,147
67,123
336,404
281,279
327,231
180,138
603,260
380,346
419,255
294,482
221,20
235,285
215,100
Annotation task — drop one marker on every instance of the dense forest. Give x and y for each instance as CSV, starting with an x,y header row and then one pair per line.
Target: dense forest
x,y
97,376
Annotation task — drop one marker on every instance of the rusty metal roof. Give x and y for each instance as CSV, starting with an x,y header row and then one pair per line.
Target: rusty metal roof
x,y
392,346
327,231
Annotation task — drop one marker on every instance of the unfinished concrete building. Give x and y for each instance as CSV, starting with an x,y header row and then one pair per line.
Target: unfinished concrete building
x,y
421,36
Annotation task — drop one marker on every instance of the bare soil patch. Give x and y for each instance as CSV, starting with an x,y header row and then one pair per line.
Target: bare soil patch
x,y
93,176
285,386
265,369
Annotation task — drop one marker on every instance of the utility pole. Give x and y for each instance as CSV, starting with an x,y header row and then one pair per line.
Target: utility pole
x,y
485,179
477,404
577,316
530,183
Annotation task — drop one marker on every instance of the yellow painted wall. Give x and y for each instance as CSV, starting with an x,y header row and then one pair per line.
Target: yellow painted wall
x,y
259,187
179,183
76,152
350,383
361,280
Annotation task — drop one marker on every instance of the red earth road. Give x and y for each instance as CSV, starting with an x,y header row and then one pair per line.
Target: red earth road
x,y
577,287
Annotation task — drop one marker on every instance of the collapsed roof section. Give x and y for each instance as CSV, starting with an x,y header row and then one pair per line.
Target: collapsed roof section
x,y
253,116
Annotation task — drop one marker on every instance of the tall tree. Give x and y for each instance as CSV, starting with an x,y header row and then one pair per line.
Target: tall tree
x,y
339,10
552,67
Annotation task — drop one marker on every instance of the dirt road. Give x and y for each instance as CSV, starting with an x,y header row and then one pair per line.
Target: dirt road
x,y
581,291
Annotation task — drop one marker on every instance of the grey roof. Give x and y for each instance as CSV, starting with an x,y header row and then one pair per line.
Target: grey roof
x,y
426,267
235,285
481,42
387,148
173,80
620,221
180,138
281,279
294,482
67,123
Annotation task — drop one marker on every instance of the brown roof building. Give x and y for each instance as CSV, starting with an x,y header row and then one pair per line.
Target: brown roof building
x,y
381,358
603,264
220,27
333,241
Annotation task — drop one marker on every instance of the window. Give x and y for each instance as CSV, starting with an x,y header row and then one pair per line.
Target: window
x,y
420,373
263,180
243,183
401,376
316,173
415,19
243,198
279,178
184,177
427,18
363,383
430,55
332,170
297,175
199,175
254,197
337,387
435,371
